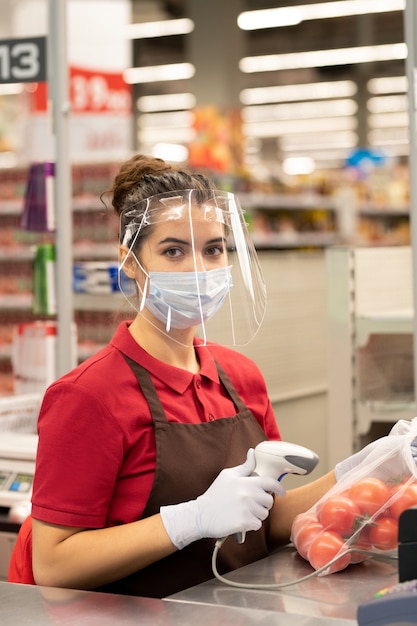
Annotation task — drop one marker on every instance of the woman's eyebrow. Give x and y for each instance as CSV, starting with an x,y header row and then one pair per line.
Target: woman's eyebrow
x,y
187,243
217,240
174,240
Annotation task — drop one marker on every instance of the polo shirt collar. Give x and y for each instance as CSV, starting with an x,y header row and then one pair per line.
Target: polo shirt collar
x,y
175,377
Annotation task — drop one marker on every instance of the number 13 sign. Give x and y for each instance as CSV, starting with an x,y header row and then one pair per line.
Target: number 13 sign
x,y
23,60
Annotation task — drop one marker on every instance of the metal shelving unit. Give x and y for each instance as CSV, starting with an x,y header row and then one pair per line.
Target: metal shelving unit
x,y
370,343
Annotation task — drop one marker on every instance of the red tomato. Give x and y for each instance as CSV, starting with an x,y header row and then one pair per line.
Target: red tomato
x,y
361,542
301,520
383,533
405,497
324,548
370,494
305,536
338,513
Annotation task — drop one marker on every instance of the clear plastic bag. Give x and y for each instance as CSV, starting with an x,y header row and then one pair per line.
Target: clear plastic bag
x,y
359,516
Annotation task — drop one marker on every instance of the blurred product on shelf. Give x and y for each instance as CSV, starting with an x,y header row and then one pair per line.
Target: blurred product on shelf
x,y
33,356
38,210
44,280
95,277
286,227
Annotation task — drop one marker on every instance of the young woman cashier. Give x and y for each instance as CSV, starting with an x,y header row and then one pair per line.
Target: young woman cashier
x,y
130,489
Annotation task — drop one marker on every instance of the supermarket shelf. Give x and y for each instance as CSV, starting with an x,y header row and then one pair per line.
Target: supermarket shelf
x,y
82,302
389,411
79,204
287,201
11,207
370,331
84,350
13,254
85,250
114,301
294,240
376,210
95,251
15,301
387,322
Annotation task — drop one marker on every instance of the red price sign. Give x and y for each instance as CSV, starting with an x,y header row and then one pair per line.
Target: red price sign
x,y
98,92
91,92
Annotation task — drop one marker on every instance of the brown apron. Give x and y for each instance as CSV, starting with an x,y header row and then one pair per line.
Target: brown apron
x,y
188,459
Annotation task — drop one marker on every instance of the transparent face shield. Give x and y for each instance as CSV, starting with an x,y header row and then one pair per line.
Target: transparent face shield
x,y
189,267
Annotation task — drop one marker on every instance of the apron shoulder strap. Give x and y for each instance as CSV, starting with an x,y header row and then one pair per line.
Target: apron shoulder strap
x,y
148,389
230,387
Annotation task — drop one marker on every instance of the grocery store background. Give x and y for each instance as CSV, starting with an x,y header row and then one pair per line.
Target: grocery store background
x,y
299,108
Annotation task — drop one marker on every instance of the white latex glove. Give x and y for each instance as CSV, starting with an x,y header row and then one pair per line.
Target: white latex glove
x,y
235,502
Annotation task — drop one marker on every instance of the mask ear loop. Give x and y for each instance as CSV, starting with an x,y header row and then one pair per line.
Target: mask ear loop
x,y
144,292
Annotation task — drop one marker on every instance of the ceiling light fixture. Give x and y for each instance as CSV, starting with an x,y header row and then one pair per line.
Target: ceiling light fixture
x,y
11,89
320,155
299,110
161,28
159,73
387,84
299,127
323,58
155,135
387,104
388,120
289,16
168,102
388,136
171,118
170,152
318,141
294,165
306,91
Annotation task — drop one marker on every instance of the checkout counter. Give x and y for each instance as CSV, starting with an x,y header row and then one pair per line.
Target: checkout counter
x,y
313,601
17,466
318,601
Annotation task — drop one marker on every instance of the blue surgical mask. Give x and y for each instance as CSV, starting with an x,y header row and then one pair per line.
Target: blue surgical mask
x,y
184,299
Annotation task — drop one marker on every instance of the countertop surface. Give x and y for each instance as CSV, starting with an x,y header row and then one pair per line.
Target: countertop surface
x,y
334,596
317,601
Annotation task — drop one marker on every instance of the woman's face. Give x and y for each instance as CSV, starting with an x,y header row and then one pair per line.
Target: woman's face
x,y
170,245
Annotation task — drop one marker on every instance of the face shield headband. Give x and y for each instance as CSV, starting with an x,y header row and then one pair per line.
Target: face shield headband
x,y
208,276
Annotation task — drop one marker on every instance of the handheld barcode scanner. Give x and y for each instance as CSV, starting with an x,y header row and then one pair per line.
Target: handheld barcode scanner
x,y
279,458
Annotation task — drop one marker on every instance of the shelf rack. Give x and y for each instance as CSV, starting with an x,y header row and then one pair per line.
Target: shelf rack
x,y
370,335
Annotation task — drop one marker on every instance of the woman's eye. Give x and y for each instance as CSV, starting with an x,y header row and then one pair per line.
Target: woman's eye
x,y
215,250
173,252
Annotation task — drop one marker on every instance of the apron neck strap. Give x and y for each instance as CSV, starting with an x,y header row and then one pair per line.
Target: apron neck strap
x,y
228,385
148,389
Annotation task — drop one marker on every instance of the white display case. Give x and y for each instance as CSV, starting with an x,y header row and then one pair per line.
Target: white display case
x,y
370,344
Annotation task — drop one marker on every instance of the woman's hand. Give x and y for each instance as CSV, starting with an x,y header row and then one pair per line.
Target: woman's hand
x,y
235,502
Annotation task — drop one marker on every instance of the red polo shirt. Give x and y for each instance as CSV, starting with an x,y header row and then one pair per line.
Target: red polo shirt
x,y
96,452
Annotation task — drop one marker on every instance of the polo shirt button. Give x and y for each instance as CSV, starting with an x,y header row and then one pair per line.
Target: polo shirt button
x,y
198,383
211,417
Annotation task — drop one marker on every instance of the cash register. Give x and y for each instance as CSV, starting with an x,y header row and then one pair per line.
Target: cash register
x,y
17,467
